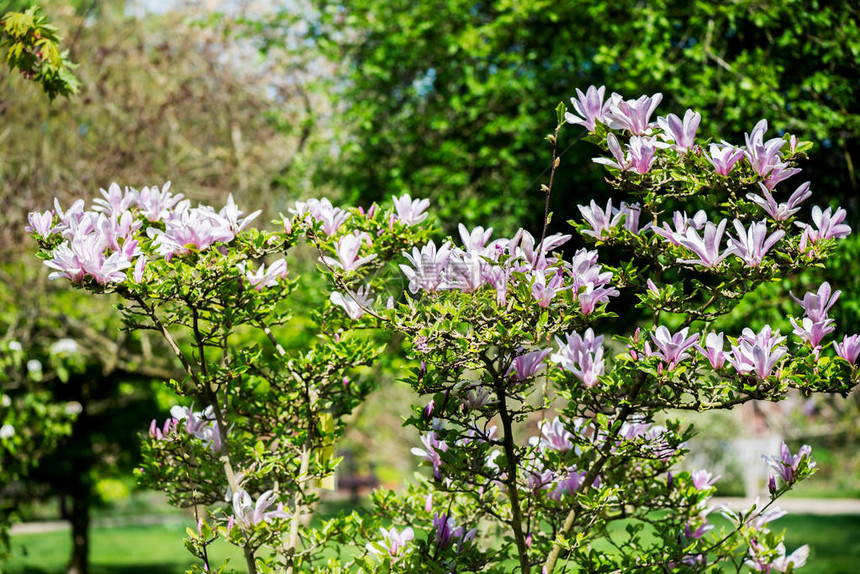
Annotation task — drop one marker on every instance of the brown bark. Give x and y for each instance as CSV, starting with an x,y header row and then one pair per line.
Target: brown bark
x,y
80,520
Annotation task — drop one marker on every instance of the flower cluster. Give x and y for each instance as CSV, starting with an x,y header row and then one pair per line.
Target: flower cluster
x,y
103,243
202,425
501,264
582,356
790,467
446,531
815,324
765,159
248,513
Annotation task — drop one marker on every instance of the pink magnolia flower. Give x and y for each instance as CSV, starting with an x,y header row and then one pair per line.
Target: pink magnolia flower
x,y
762,156
761,560
698,526
447,531
433,447
41,223
410,211
267,277
813,331
139,267
724,158
114,201
633,115
393,542
322,211
85,256
703,479
817,305
593,296
640,156
673,348
553,436
528,365
465,271
80,224
585,271
706,246
682,223
581,356
67,263
353,302
589,107
786,466
160,433
194,229
119,230
815,326
347,249
682,133
828,225
522,247
796,559
782,211
621,162
499,278
202,425
428,266
779,173
567,484
249,514
713,350
477,398
236,218
642,150
476,240
849,350
544,288
757,353
631,213
74,213
759,520
156,205
753,244
601,220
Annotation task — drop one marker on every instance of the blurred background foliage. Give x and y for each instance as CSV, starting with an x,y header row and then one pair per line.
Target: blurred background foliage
x,y
359,100
452,98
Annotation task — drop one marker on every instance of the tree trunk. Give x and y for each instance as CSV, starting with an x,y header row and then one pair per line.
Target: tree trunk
x,y
80,520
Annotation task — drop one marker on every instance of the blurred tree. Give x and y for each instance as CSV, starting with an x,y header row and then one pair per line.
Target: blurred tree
x,y
69,357
451,98
159,100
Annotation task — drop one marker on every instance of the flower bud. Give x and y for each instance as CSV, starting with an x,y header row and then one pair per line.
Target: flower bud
x,y
771,484
428,502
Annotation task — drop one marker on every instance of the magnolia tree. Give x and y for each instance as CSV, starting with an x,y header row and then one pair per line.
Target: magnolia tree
x,y
502,334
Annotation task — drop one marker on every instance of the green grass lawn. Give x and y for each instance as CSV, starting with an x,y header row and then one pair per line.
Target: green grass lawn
x,y
115,550
835,543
